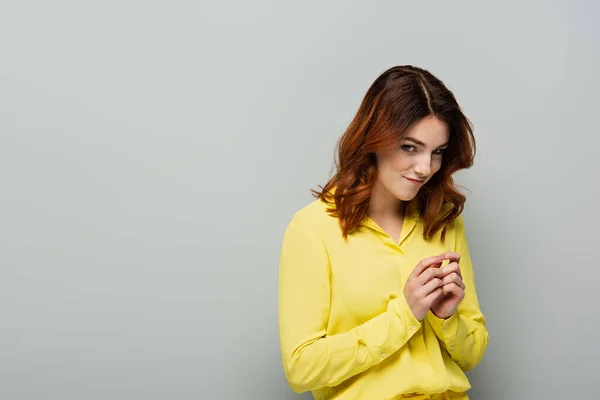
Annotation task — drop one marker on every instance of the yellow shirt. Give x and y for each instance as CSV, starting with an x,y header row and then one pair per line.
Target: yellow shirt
x,y
345,327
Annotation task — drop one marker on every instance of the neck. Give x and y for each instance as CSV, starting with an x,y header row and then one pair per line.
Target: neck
x,y
383,204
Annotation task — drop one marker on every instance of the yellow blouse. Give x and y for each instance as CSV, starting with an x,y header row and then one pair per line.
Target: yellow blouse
x,y
346,330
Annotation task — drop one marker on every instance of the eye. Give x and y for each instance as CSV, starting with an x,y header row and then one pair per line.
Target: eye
x,y
438,152
408,148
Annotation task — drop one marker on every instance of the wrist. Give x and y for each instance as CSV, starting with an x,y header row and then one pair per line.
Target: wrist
x,y
442,316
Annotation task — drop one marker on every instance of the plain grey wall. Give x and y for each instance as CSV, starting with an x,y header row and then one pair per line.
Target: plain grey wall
x,y
152,154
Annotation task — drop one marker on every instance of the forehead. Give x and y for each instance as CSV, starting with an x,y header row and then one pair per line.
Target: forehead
x,y
431,131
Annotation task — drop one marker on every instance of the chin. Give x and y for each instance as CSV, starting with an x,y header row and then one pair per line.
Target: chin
x,y
405,196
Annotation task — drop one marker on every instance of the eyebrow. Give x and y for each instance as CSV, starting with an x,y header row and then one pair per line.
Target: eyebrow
x,y
421,143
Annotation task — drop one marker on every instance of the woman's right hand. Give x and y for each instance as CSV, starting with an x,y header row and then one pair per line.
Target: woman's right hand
x,y
424,286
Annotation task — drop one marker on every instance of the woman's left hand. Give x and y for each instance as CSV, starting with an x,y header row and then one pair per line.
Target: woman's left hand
x,y
453,288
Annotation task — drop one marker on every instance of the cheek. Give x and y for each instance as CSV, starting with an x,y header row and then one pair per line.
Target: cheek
x,y
435,167
400,162
390,163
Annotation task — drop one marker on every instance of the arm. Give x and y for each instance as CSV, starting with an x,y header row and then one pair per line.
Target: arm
x,y
311,358
464,334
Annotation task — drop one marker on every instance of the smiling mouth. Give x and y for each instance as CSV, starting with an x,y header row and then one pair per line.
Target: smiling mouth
x,y
414,180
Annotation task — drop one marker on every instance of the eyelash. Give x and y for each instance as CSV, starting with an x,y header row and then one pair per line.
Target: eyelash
x,y
404,147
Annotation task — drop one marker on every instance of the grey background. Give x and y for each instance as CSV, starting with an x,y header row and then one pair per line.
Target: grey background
x,y
152,154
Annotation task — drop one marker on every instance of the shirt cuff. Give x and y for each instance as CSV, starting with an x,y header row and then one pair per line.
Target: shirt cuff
x,y
405,326
450,331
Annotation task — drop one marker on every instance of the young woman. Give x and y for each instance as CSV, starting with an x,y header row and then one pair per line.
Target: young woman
x,y
377,294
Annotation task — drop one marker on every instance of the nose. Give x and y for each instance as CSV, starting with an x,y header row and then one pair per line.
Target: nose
x,y
423,166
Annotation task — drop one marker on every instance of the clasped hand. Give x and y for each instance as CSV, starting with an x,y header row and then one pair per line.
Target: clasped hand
x,y
430,287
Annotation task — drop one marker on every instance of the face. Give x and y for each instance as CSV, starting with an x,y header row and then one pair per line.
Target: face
x,y
402,172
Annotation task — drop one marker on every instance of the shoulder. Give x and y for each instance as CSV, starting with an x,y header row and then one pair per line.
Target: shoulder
x,y
457,231
458,223
313,218
453,228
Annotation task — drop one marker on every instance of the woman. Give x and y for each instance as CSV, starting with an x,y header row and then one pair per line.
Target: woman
x,y
377,295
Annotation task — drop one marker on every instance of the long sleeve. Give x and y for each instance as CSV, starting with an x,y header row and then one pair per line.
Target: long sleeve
x,y
312,359
464,335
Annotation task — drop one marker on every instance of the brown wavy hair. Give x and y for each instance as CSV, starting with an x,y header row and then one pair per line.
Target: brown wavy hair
x,y
397,100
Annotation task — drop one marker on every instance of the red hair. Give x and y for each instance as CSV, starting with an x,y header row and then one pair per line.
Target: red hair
x,y
397,100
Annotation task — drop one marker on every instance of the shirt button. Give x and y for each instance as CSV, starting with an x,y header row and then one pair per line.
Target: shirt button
x,y
411,327
383,355
452,347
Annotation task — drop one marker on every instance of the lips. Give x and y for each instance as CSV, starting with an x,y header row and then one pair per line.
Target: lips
x,y
415,180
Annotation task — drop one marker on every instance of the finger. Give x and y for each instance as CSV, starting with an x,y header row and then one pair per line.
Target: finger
x,y
450,268
453,288
424,264
453,278
428,275
429,287
433,296
450,255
